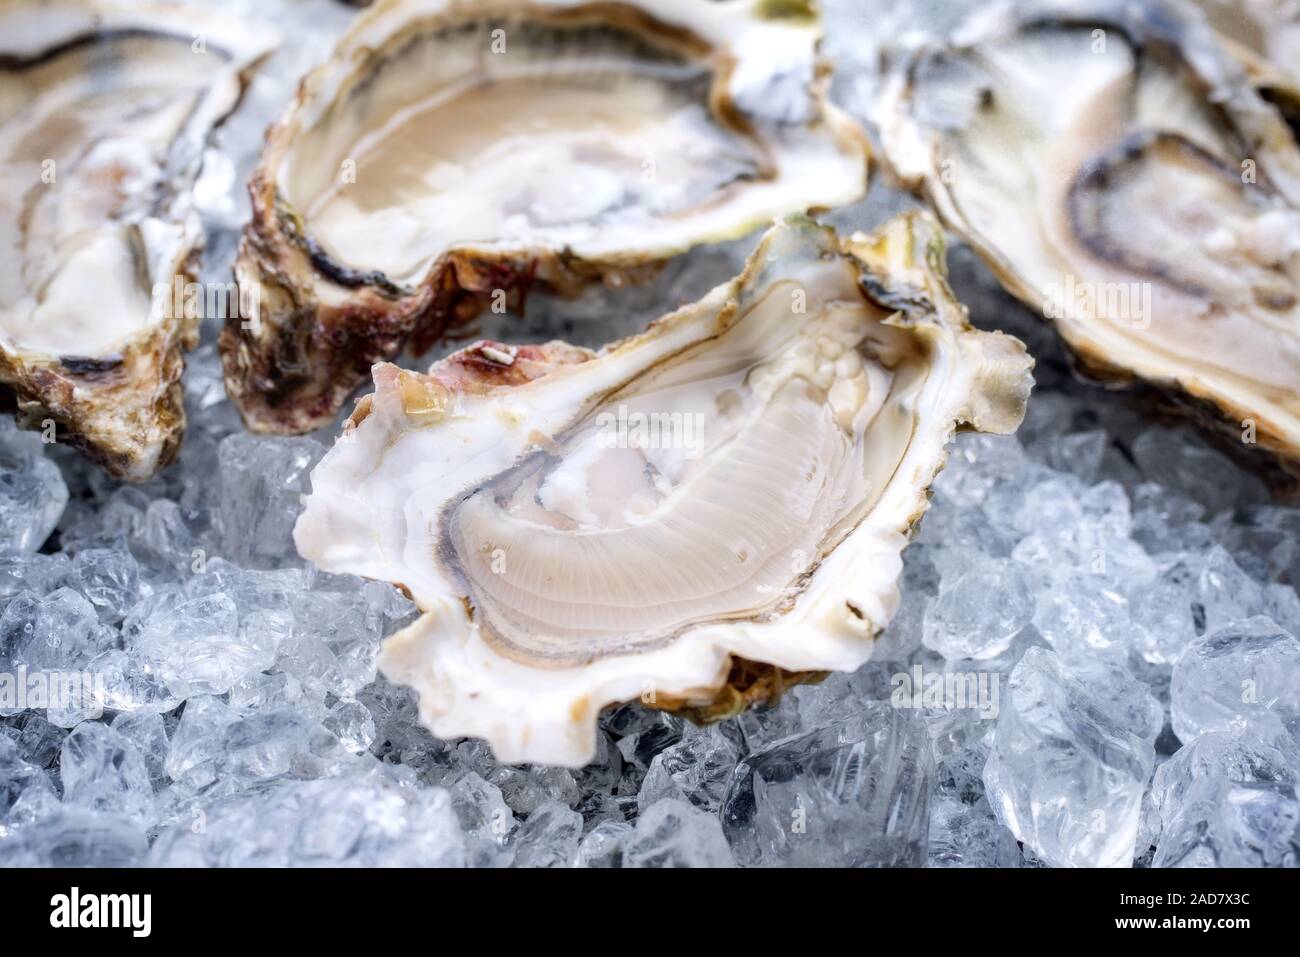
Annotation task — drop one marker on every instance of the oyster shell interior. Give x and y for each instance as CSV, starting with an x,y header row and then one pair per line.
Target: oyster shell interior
x,y
104,112
578,133
1116,170
452,152
584,528
1264,33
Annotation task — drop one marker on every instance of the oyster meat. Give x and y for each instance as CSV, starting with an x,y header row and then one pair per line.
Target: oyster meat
x,y
453,155
1116,169
690,517
104,114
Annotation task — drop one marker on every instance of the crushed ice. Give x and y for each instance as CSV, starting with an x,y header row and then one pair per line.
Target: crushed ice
x,y
1095,663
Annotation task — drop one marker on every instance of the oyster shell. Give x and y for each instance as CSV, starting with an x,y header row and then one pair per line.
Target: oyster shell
x,y
1115,169
104,113
688,517
455,154
1265,36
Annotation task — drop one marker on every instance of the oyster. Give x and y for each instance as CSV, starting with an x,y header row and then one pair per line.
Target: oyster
x,y
1265,36
690,517
104,113
455,154
1115,168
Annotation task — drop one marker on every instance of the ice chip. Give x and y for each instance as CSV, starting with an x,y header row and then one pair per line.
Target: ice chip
x,y
109,578
102,770
549,838
853,793
261,482
673,833
365,821
32,491
696,769
197,647
1243,675
1072,752
603,845
980,615
1228,799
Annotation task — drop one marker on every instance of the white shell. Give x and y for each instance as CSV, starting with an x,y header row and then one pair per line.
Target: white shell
x,y
814,155
828,378
451,152
104,114
1114,167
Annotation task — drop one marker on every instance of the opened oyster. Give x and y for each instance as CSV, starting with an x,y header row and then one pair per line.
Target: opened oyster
x,y
1265,36
455,154
104,113
1115,169
689,517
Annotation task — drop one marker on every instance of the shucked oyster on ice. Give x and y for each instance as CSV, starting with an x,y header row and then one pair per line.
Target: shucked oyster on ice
x,y
104,113
1114,168
454,154
685,517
